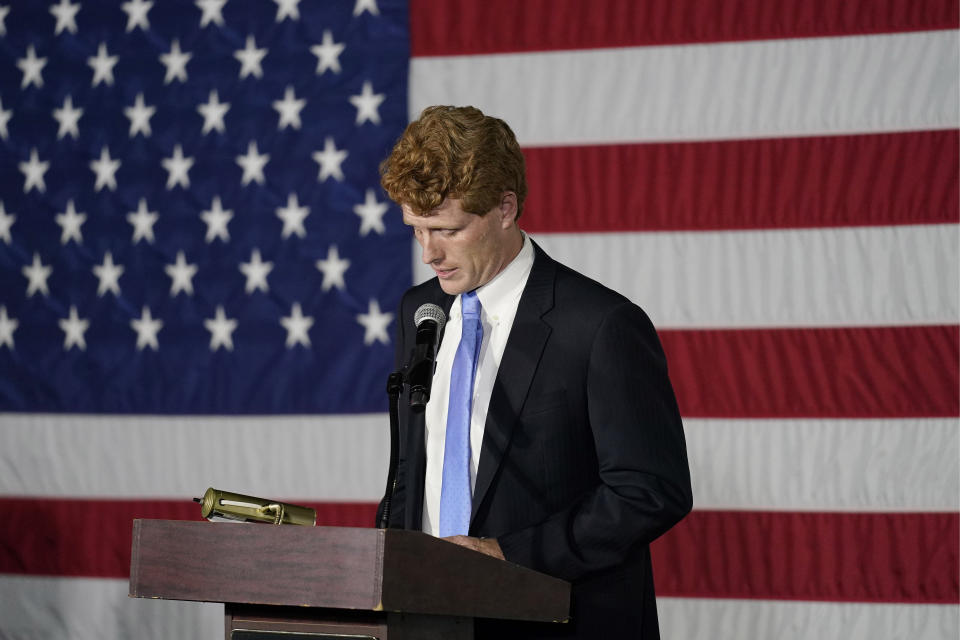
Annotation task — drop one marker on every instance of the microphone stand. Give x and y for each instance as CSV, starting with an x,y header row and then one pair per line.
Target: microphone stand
x,y
394,389
416,373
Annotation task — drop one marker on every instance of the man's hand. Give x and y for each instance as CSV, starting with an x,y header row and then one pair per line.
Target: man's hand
x,y
489,546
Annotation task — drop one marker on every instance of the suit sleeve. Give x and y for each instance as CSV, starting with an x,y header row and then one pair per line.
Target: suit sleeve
x,y
644,479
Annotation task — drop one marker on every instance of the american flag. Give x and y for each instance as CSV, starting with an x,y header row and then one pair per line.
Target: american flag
x,y
776,184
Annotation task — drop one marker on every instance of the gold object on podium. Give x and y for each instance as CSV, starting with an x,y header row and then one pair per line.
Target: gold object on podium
x,y
223,505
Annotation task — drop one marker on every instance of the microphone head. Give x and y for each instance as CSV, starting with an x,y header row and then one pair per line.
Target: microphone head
x,y
430,311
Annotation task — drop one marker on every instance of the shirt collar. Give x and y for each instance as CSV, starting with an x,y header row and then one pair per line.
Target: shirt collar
x,y
503,291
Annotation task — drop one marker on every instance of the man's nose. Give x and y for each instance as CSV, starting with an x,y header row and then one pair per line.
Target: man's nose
x,y
430,249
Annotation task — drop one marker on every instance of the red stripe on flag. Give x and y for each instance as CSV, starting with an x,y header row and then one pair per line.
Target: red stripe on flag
x,y
858,372
889,557
863,557
92,538
458,27
856,180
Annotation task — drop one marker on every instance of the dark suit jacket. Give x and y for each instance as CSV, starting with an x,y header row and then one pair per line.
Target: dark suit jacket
x,y
583,461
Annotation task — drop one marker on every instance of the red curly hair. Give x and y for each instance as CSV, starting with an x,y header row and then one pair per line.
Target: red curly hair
x,y
454,152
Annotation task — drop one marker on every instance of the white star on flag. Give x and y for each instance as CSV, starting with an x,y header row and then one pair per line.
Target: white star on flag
x,y
7,326
287,9
256,272
175,62
333,268
328,53
137,14
253,163
70,222
106,169
330,160
6,221
181,275
177,167
297,326
142,220
5,115
221,329
250,58
32,68
139,115
371,214
67,117
33,171
217,218
212,12
375,324
146,327
367,104
366,5
109,275
289,109
73,329
213,111
3,17
66,15
293,216
102,65
37,274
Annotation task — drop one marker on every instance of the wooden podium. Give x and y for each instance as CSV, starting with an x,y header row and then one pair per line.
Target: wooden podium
x,y
308,583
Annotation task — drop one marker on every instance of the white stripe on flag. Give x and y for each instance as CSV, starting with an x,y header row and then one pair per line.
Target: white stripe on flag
x,y
853,276
316,458
770,88
837,276
817,465
824,465
709,619
96,609
90,609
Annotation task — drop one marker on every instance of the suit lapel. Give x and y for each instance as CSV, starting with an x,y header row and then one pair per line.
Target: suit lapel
x,y
528,336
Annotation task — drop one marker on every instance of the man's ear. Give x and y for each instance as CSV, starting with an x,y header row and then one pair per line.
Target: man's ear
x,y
508,209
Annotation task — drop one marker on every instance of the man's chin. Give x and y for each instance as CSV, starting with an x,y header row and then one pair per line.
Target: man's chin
x,y
454,286
451,288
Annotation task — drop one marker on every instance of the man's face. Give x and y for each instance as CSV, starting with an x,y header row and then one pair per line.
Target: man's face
x,y
465,250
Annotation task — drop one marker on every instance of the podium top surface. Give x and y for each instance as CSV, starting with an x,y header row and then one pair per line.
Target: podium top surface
x,y
336,568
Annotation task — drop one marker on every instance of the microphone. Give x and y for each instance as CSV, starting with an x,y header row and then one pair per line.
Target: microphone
x,y
429,320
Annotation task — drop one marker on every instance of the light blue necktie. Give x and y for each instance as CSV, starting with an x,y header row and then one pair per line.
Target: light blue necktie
x,y
455,503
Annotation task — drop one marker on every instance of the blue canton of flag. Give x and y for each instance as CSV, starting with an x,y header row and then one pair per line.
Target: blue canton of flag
x,y
190,212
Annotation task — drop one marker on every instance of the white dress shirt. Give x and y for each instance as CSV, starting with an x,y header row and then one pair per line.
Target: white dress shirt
x,y
499,299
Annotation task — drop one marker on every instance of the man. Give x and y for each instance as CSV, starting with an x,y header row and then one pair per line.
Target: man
x,y
552,437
